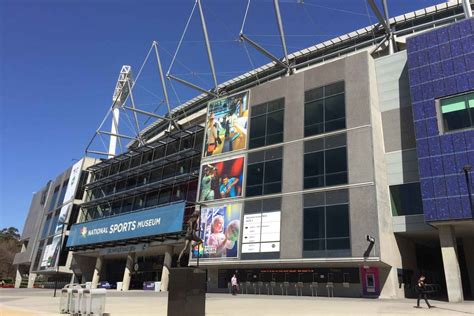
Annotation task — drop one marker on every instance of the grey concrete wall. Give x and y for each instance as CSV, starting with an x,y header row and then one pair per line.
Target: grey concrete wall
x,y
291,231
402,167
398,129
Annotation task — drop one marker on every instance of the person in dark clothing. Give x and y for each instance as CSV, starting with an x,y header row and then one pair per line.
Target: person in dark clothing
x,y
420,290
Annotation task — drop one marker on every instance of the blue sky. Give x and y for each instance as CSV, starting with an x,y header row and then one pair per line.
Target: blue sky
x,y
59,61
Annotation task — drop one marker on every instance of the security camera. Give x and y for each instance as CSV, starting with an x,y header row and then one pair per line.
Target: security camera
x,y
370,239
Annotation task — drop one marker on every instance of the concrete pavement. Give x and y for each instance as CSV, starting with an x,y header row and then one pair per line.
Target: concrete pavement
x,y
29,302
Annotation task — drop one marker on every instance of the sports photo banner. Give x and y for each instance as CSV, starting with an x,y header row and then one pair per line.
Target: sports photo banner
x,y
222,179
226,126
219,231
73,182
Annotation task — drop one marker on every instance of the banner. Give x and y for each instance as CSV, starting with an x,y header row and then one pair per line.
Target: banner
x,y
73,181
63,217
220,232
155,221
51,254
226,126
222,179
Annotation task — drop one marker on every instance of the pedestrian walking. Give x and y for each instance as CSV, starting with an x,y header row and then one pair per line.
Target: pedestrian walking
x,y
421,291
235,285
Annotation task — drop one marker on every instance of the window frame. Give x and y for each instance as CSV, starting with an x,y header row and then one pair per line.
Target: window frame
x,y
439,113
265,115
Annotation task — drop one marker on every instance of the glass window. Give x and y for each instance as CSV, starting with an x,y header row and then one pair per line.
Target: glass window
x,y
63,192
266,123
326,228
325,109
406,199
264,172
54,223
458,112
325,162
54,199
46,226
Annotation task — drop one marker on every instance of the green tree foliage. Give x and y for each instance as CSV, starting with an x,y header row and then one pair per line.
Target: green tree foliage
x,y
9,246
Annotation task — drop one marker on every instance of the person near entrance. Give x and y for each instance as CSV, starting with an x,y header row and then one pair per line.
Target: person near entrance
x,y
421,291
235,285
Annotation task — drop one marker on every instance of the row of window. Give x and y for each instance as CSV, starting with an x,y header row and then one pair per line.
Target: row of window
x,y
181,144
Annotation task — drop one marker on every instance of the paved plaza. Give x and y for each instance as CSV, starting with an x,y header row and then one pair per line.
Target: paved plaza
x,y
29,302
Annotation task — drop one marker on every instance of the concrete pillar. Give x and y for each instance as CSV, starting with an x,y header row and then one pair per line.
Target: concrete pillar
x,y
165,273
96,274
469,255
452,272
31,280
17,278
127,274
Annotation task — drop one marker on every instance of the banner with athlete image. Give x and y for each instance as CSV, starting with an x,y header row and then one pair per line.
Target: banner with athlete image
x,y
226,125
222,179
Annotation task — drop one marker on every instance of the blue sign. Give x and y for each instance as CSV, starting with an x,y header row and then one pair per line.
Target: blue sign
x,y
155,221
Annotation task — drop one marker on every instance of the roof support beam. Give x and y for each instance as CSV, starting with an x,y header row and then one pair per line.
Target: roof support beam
x,y
263,51
191,85
280,27
98,152
146,113
117,135
208,46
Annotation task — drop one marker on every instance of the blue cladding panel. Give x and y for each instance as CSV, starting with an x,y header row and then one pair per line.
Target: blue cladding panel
x,y
441,64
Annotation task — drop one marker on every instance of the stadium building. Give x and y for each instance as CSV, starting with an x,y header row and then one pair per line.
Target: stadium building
x,y
43,259
343,168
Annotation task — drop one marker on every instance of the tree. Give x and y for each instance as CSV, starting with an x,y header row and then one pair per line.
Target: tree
x,y
9,246
10,232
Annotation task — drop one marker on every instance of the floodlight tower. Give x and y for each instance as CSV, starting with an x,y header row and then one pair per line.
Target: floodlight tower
x,y
121,92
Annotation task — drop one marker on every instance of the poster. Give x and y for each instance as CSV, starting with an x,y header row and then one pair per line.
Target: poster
x,y
261,232
73,181
219,231
222,179
63,217
50,255
226,126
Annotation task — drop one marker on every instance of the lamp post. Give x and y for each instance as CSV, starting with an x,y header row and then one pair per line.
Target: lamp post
x,y
59,255
467,169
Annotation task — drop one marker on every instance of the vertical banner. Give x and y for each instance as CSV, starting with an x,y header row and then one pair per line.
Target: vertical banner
x,y
222,179
63,217
220,231
226,126
73,181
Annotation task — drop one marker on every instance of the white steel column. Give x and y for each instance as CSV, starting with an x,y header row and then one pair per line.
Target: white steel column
x,y
452,272
96,275
165,274
127,274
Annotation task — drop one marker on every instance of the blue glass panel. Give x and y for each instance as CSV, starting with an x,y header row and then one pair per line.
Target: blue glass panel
x,y
466,207
469,138
437,166
439,89
461,161
470,76
420,129
423,58
442,208
418,111
452,185
450,85
454,32
436,71
472,25
422,148
459,65
447,144
462,83
470,158
449,163
427,191
458,141
464,29
425,74
429,109
469,59
413,60
462,183
429,209
443,36
421,42
448,67
445,51
432,127
435,148
428,92
468,44
431,39
433,54
456,48
414,77
425,168
439,186
455,207
416,93
411,46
